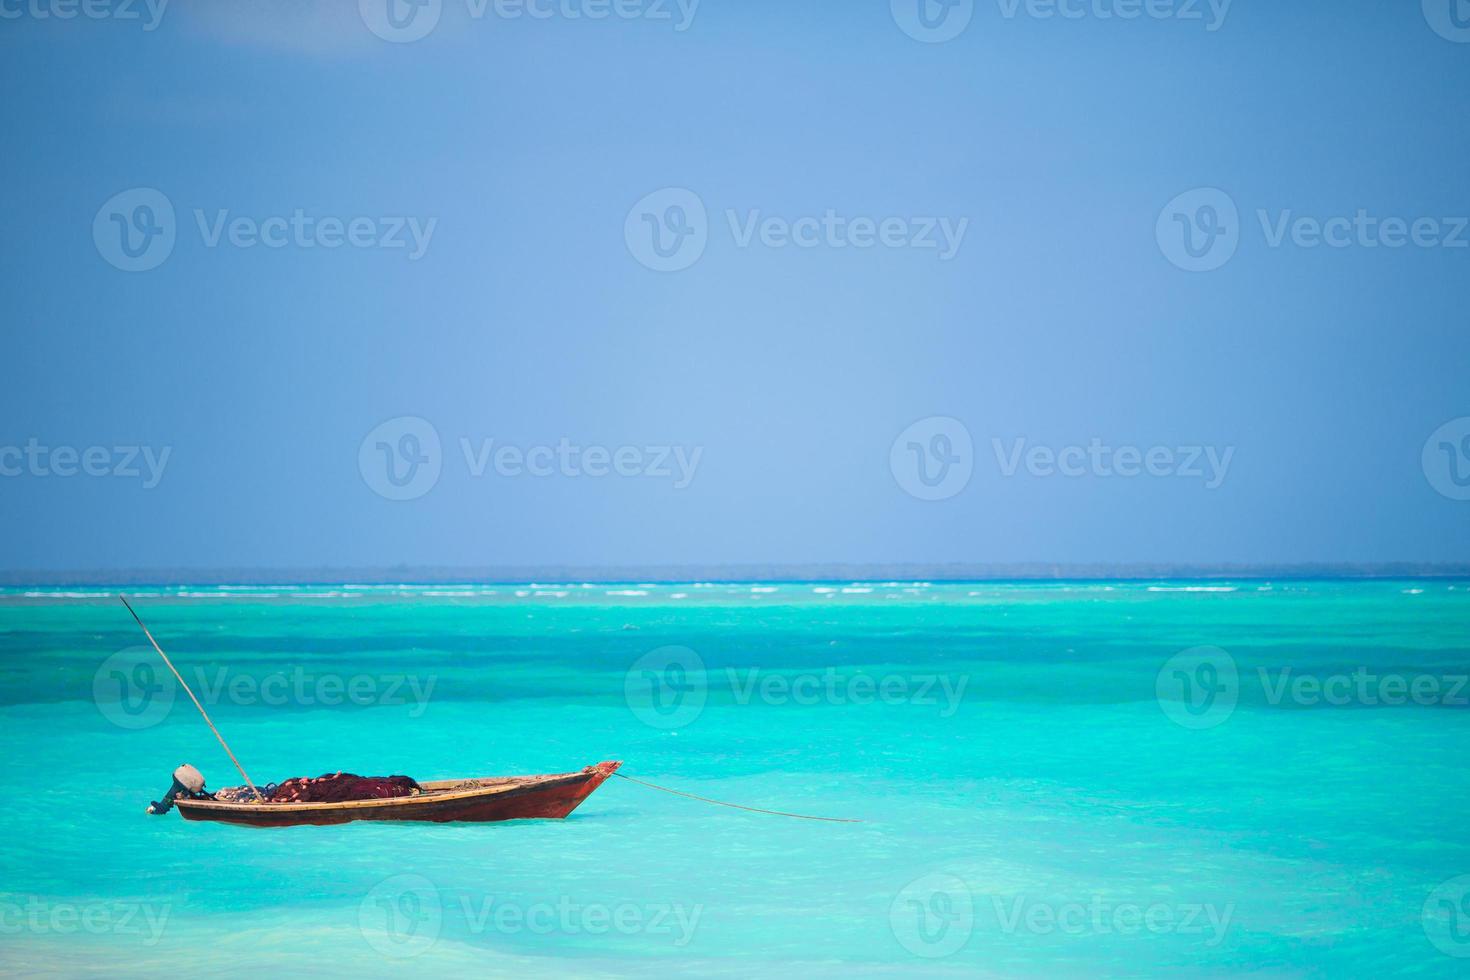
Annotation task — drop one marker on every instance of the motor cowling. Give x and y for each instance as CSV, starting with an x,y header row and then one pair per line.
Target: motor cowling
x,y
187,782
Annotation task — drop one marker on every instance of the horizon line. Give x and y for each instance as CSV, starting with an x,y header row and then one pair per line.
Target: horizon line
x,y
732,572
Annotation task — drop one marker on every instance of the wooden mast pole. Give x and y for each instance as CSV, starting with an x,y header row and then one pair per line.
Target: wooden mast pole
x,y
189,692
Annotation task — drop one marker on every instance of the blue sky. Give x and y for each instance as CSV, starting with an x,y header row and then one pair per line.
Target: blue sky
x,y
804,362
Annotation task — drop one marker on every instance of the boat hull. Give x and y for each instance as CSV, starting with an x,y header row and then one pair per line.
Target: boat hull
x,y
466,801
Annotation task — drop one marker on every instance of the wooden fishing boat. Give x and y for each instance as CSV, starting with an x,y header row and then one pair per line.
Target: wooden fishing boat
x,y
467,800
443,801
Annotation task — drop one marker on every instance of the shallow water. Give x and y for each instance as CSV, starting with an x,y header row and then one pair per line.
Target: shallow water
x,y
1048,785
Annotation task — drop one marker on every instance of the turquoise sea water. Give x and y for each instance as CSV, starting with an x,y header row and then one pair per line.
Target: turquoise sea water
x,y
1060,779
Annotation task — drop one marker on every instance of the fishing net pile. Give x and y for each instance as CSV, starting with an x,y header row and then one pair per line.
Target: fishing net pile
x,y
332,787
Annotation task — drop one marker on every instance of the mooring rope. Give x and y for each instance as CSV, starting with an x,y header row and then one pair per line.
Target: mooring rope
x,y
736,806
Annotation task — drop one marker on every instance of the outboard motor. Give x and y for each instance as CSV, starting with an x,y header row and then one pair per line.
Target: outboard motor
x,y
188,782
